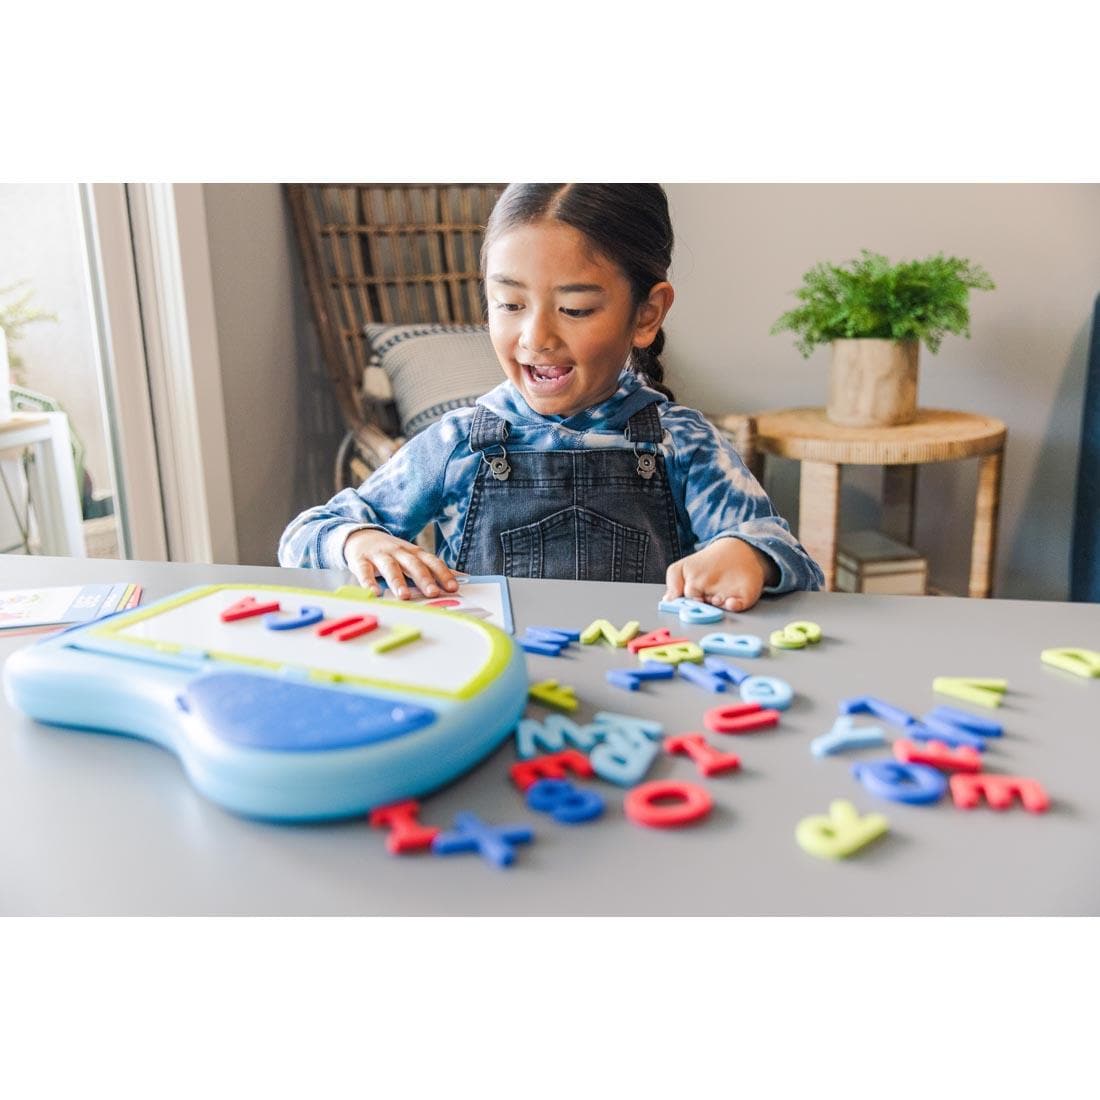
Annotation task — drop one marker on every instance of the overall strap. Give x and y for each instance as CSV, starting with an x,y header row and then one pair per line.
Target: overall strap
x,y
643,429
645,425
489,430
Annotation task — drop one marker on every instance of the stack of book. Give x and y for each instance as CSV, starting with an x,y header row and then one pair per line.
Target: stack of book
x,y
869,561
34,610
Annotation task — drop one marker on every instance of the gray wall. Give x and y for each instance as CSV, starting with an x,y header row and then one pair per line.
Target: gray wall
x,y
741,250
282,424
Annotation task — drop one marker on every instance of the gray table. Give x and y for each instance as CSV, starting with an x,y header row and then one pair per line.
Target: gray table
x,y
94,824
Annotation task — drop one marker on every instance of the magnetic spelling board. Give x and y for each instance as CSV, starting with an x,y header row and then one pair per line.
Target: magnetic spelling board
x,y
454,656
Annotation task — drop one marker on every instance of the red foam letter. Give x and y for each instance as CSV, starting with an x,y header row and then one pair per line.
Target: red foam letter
x,y
246,608
653,638
938,755
352,627
406,833
740,718
692,803
550,766
709,761
966,790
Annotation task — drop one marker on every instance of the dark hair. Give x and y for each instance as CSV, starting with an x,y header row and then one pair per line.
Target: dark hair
x,y
626,222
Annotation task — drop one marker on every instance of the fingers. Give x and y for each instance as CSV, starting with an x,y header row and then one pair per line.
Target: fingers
x,y
365,574
674,580
424,569
374,556
440,571
725,589
695,579
740,595
394,576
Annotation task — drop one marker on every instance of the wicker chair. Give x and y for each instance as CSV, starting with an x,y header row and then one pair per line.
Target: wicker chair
x,y
397,253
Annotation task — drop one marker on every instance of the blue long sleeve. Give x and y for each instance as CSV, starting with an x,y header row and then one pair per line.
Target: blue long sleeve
x,y
430,481
402,496
722,499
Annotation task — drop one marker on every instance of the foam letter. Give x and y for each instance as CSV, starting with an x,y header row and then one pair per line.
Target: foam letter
x,y
552,766
709,761
551,736
406,833
841,833
246,608
642,805
966,791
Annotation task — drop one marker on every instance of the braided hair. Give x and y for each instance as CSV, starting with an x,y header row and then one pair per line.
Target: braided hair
x,y
628,223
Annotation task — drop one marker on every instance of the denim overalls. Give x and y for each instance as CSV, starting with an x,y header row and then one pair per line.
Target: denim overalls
x,y
602,515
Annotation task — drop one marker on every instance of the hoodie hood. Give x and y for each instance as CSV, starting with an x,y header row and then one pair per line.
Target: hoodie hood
x,y
608,416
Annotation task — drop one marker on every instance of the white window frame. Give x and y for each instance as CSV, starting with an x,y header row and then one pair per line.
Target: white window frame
x,y
161,368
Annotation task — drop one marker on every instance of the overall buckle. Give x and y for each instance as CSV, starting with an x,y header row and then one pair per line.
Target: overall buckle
x,y
498,465
647,462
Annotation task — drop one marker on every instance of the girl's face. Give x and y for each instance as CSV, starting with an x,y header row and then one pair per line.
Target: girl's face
x,y
561,317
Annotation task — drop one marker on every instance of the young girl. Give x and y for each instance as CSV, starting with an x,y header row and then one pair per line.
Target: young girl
x,y
580,465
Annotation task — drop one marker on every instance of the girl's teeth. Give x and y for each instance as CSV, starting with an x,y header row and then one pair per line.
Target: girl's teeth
x,y
545,373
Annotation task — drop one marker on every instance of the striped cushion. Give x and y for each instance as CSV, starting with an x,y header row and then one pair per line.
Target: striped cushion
x,y
433,368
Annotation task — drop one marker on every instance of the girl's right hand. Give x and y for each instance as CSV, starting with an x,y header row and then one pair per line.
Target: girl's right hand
x,y
372,553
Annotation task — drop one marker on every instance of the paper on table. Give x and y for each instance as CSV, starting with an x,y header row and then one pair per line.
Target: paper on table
x,y
60,606
487,597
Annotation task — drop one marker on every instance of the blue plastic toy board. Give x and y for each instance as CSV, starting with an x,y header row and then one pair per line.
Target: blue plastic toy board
x,y
273,715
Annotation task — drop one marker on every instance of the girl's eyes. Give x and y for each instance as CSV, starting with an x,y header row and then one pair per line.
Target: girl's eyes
x,y
512,307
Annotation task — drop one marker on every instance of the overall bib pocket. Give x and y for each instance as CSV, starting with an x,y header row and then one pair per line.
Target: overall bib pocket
x,y
575,542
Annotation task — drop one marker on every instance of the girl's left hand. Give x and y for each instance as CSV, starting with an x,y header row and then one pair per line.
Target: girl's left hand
x,y
729,573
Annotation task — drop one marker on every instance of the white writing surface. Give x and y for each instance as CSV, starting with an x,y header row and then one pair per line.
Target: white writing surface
x,y
450,651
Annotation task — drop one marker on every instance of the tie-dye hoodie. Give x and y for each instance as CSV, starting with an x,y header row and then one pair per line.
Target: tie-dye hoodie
x,y
429,481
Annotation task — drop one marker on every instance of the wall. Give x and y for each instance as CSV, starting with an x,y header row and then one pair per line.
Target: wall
x,y
281,421
741,250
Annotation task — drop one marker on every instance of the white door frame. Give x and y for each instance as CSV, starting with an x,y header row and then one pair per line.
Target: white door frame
x,y
125,385
162,372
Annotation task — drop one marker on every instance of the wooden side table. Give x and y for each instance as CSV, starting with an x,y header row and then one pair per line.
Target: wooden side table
x,y
937,435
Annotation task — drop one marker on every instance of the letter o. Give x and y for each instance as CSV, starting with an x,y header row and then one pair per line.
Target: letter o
x,y
640,805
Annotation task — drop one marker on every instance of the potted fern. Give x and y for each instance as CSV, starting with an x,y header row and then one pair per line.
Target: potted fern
x,y
876,314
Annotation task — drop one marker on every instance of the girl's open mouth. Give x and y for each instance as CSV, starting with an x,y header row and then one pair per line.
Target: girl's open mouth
x,y
545,379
